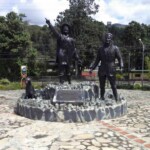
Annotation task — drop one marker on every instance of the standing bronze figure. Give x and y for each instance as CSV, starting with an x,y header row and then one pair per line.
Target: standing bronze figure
x,y
66,51
106,56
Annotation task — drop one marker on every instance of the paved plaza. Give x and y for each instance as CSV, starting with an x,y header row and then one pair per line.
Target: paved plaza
x,y
130,132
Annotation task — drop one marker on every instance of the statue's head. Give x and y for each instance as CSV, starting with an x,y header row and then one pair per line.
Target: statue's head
x,y
108,38
65,29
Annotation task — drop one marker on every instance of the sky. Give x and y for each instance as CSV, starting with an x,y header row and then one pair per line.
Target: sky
x,y
115,11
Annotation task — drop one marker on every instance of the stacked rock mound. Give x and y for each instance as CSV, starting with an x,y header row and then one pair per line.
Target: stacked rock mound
x,y
71,103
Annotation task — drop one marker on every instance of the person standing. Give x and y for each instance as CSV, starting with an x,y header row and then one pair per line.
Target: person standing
x,y
106,56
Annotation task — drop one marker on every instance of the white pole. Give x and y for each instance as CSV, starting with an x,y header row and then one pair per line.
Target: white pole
x,y
142,61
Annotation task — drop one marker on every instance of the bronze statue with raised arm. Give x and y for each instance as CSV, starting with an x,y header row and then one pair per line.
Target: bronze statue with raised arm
x,y
66,51
106,56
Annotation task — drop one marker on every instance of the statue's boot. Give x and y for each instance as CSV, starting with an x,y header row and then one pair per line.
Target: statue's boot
x,y
102,98
102,93
115,94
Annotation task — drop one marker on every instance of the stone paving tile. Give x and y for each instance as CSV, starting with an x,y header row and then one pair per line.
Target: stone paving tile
x,y
131,132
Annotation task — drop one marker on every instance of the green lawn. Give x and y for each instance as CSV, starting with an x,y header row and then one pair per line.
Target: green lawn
x,y
17,86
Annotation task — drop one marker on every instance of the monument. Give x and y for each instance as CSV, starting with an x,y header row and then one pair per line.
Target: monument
x,y
70,103
77,102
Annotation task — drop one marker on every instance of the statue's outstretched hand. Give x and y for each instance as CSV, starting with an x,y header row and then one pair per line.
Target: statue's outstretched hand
x,y
47,21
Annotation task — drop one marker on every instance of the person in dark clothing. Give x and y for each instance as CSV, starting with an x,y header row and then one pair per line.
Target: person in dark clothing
x,y
66,51
30,92
106,56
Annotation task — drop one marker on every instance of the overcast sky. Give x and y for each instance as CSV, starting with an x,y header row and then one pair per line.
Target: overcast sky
x,y
116,11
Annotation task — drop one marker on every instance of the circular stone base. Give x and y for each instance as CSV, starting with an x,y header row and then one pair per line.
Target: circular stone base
x,y
95,109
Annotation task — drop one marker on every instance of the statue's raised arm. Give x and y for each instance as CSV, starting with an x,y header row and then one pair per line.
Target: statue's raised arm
x,y
52,28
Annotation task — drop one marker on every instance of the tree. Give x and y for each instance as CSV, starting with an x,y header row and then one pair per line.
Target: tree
x,y
118,33
15,45
87,32
132,33
43,40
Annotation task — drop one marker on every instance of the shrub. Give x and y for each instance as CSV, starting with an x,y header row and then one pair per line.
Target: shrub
x,y
119,76
4,81
125,86
148,75
2,87
137,86
146,88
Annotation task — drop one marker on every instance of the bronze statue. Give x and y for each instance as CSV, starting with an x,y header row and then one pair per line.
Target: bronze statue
x,y
30,91
66,51
106,56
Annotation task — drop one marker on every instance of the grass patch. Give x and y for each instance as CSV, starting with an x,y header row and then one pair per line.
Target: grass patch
x,y
17,86
37,85
10,86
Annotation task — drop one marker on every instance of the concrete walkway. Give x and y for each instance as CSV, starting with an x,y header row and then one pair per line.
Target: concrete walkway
x,y
131,132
